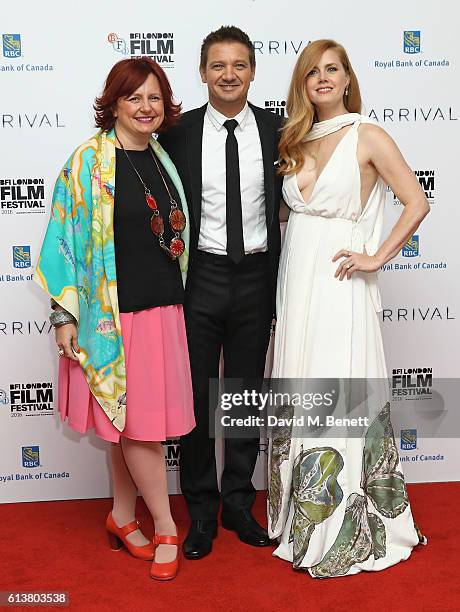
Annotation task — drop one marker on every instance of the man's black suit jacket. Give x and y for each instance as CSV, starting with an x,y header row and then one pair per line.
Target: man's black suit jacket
x,y
183,143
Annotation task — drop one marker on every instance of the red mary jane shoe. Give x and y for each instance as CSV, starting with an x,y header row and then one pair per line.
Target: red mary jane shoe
x,y
117,538
165,571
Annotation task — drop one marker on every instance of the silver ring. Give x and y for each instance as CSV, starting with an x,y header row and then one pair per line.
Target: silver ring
x,y
349,265
61,352
349,254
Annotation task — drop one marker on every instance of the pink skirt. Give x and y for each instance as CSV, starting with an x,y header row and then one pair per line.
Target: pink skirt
x,y
159,398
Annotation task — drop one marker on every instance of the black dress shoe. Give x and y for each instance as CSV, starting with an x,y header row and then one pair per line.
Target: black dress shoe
x,y
198,542
248,529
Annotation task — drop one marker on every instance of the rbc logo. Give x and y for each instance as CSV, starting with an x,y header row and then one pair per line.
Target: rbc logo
x,y
30,456
117,43
3,397
21,256
412,247
408,439
411,42
11,45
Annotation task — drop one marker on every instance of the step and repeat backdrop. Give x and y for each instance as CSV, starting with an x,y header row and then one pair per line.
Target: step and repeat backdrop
x,y
53,63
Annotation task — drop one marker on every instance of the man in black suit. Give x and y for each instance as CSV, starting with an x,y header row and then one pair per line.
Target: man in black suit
x,y
225,153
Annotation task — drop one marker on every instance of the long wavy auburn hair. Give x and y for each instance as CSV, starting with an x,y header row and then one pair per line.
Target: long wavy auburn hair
x,y
301,112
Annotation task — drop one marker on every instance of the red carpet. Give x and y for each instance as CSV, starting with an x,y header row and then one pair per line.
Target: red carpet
x,y
52,546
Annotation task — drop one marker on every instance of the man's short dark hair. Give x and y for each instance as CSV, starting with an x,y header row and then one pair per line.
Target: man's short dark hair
x,y
227,34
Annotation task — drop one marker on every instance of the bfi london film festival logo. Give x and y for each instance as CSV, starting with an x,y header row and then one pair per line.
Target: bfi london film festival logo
x,y
411,46
31,399
172,454
411,383
157,45
276,106
22,196
12,50
426,179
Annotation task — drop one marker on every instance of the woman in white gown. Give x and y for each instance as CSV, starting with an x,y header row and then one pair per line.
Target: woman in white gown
x,y
338,505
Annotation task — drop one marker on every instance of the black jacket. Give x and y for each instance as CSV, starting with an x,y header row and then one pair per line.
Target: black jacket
x,y
183,144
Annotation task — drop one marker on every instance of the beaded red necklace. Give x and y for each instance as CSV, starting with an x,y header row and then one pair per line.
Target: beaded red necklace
x,y
177,219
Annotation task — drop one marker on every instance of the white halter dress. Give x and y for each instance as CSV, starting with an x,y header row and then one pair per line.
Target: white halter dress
x,y
337,505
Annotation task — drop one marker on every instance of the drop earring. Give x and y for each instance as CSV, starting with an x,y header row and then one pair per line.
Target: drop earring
x,y
346,90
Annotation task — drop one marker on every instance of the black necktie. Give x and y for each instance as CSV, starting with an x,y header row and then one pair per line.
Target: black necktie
x,y
235,244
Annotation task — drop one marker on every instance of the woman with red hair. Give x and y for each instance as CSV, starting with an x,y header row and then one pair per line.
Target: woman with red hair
x,y
114,262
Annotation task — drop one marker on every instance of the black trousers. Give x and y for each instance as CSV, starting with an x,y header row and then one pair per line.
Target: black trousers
x,y
227,307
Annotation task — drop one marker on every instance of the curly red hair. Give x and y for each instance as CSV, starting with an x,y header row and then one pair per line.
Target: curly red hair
x,y
124,78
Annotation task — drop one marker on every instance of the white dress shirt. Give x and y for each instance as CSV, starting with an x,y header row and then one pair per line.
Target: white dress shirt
x,y
213,231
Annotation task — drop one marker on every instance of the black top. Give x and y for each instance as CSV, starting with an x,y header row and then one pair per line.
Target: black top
x,y
146,276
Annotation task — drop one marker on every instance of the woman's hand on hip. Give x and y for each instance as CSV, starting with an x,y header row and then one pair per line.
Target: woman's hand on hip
x,y
66,339
355,262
